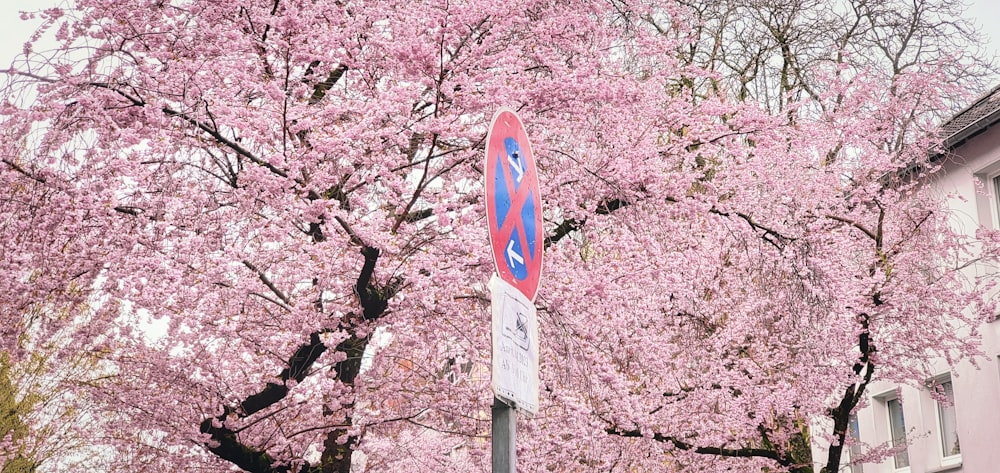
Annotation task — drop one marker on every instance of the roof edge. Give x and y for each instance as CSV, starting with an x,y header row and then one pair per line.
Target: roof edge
x,y
960,136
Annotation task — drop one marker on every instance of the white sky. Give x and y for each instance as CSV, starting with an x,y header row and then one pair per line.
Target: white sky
x,y
986,14
13,31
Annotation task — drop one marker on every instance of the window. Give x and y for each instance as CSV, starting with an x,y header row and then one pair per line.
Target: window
x,y
991,184
854,432
947,421
996,193
996,198
897,429
987,203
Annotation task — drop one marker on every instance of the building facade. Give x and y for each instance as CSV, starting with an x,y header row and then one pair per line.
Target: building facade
x,y
952,424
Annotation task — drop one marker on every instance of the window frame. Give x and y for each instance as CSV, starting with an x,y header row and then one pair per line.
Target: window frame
x,y
938,383
988,205
883,402
994,191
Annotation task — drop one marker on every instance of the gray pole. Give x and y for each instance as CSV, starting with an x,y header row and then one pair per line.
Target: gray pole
x,y
504,433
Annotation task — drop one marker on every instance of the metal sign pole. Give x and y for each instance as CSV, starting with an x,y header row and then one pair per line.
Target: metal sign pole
x,y
504,433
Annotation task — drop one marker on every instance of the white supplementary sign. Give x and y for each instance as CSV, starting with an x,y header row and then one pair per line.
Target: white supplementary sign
x,y
515,347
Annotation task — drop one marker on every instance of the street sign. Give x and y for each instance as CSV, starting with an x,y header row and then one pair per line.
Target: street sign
x,y
513,204
514,217
515,347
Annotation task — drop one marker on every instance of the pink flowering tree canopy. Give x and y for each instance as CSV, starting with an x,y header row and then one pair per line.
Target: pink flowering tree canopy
x,y
262,223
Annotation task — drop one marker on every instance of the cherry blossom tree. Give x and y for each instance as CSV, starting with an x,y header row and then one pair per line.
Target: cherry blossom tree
x,y
264,222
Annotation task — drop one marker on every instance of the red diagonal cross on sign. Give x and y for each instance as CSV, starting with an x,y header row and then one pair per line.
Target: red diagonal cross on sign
x,y
520,197
513,204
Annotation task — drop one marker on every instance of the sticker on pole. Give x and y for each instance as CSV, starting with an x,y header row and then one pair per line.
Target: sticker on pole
x,y
515,347
513,204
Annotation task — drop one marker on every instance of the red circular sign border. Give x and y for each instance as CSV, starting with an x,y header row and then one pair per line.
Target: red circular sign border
x,y
498,132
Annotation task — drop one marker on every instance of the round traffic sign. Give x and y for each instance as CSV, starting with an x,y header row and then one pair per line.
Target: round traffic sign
x,y
513,204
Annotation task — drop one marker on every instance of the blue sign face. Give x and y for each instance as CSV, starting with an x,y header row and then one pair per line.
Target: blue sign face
x,y
513,159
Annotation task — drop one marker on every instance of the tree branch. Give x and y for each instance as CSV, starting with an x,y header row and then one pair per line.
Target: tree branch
x,y
23,171
270,285
355,239
564,228
320,90
841,415
224,442
419,189
744,452
854,224
209,129
770,235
